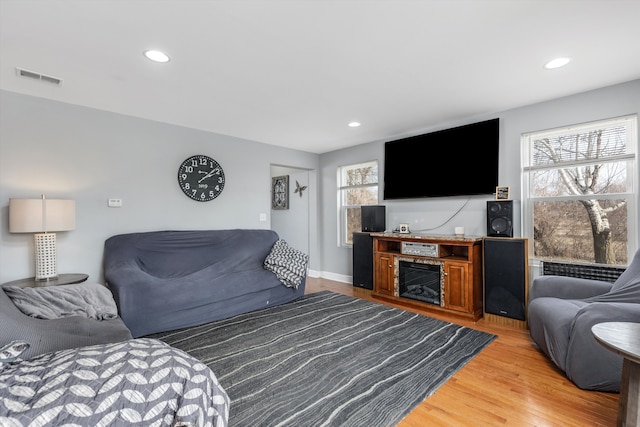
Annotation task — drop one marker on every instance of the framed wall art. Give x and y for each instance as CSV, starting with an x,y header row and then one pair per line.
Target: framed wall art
x,y
280,192
502,193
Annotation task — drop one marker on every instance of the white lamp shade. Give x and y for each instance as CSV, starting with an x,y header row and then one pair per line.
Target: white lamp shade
x,y
41,215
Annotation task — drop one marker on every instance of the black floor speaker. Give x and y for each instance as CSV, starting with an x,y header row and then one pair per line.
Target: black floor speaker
x,y
363,260
500,218
505,277
373,218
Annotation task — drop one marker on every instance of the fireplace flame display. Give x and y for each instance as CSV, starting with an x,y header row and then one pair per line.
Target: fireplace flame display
x,y
420,281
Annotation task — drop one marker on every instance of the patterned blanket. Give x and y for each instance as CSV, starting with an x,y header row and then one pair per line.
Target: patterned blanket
x,y
137,382
287,263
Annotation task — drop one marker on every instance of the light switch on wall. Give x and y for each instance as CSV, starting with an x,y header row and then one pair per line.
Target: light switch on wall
x,y
114,203
263,217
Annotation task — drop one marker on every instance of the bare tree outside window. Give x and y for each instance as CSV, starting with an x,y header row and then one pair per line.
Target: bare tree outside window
x,y
579,191
357,186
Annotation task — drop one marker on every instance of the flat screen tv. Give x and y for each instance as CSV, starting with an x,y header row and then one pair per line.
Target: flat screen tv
x,y
460,161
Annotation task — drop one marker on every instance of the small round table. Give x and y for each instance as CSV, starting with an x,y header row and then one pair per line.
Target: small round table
x,y
62,279
623,338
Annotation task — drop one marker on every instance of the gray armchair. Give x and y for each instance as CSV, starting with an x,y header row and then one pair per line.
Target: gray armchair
x,y
562,311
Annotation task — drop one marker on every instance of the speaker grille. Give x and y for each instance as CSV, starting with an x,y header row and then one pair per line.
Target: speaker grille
x,y
373,218
362,260
505,277
500,218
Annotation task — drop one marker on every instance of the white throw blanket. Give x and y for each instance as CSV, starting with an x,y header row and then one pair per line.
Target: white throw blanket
x,y
91,300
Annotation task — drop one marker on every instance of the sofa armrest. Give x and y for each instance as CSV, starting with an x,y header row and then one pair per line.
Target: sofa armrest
x,y
586,357
567,287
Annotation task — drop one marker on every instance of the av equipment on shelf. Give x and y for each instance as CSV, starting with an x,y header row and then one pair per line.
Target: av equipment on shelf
x,y
420,249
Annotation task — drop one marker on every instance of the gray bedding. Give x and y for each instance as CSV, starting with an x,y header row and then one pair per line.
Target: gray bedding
x,y
136,382
91,300
45,336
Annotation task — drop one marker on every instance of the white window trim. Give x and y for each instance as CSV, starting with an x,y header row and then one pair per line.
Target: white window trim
x,y
633,202
341,211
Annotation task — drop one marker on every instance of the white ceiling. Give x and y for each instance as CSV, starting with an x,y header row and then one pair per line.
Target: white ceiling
x,y
294,73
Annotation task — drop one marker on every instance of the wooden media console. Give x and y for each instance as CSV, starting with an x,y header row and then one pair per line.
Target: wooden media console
x,y
459,260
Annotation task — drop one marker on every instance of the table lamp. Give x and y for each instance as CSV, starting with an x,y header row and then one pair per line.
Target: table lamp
x,y
43,217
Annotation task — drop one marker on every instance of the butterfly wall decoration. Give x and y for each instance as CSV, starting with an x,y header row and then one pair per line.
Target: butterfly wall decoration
x,y
299,188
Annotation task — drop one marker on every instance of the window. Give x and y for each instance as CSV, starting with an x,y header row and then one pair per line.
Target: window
x,y
579,191
357,186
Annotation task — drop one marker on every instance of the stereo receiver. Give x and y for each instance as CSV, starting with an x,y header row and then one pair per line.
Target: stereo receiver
x,y
420,249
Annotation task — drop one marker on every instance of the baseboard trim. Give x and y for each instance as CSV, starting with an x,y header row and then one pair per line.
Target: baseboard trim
x,y
330,276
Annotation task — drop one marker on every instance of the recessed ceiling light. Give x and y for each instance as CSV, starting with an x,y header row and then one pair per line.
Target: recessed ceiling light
x,y
354,124
157,56
557,63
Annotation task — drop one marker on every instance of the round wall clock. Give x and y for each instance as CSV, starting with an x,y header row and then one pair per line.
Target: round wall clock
x,y
201,178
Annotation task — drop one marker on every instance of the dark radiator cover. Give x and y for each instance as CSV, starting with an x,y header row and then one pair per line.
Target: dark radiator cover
x,y
604,272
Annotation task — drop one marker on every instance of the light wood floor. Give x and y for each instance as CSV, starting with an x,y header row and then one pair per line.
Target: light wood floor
x,y
509,383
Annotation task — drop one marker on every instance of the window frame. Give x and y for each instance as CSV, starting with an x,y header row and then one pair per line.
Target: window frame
x,y
342,189
631,195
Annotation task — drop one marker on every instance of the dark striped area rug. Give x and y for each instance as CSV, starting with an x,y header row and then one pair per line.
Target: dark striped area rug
x,y
328,359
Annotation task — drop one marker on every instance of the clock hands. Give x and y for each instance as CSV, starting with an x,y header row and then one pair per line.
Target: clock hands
x,y
208,174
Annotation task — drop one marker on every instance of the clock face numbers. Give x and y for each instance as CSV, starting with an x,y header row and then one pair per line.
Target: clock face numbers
x,y
201,178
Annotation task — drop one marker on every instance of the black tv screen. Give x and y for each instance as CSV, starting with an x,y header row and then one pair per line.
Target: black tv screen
x,y
460,161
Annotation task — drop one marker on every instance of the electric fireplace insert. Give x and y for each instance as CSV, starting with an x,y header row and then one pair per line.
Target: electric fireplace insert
x,y
421,281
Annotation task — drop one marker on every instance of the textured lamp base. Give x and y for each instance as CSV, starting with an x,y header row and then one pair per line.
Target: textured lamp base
x,y
46,262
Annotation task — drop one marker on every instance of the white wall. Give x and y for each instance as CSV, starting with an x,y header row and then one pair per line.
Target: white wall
x,y
292,224
66,151
89,155
440,214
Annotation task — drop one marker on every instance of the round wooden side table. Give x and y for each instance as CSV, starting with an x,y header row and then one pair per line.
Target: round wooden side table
x,y
623,338
62,279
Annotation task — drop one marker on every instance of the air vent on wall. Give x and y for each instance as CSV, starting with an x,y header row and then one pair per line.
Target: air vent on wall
x,y
38,76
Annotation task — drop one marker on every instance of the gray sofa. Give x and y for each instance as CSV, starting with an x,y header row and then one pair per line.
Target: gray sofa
x,y
44,336
167,280
562,311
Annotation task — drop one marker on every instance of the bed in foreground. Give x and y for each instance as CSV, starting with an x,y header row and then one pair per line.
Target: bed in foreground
x,y
139,381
